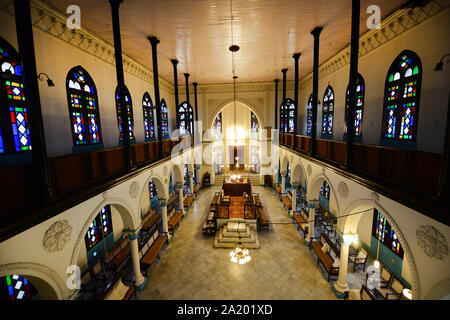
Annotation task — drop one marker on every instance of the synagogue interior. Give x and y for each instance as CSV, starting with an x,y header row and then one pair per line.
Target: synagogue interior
x,y
224,150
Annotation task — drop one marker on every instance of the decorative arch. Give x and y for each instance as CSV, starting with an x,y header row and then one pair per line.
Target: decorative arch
x,y
351,222
47,282
178,172
129,222
243,101
284,162
314,189
298,172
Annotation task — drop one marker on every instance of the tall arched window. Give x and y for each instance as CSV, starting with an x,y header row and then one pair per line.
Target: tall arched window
x,y
359,107
164,120
149,120
328,111
254,122
401,97
217,125
325,190
83,107
152,189
15,287
14,125
287,116
383,232
185,118
309,115
129,105
99,228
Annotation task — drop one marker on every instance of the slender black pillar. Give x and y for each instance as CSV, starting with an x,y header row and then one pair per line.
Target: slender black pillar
x,y
296,57
196,102
350,113
284,96
444,192
276,103
115,4
186,77
42,190
175,84
316,33
154,42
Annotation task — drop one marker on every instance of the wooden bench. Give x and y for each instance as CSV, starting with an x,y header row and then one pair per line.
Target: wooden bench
x,y
257,200
302,222
120,291
287,201
154,250
150,220
277,189
188,201
263,221
173,222
324,258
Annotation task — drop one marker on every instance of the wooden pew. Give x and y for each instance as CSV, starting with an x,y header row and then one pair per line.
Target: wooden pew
x,y
173,222
188,201
302,222
277,189
154,250
196,188
287,201
150,220
257,199
263,221
324,258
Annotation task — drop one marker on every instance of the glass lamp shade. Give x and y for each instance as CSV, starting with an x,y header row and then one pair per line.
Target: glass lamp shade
x,y
239,255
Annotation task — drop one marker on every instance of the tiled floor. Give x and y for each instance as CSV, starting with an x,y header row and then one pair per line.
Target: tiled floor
x,y
283,268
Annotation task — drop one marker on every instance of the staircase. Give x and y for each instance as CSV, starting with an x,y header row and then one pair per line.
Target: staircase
x,y
233,233
218,180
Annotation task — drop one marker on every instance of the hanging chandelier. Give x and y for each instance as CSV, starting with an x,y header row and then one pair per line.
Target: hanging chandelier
x,y
240,254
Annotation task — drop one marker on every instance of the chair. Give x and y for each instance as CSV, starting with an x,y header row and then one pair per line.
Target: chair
x,y
386,277
359,260
396,290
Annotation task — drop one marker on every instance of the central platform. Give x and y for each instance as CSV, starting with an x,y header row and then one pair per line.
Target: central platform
x,y
234,232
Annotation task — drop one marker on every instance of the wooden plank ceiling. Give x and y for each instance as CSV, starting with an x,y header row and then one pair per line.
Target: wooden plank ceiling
x,y
198,33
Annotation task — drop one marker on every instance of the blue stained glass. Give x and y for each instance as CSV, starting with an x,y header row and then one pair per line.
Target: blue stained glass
x,y
2,148
11,290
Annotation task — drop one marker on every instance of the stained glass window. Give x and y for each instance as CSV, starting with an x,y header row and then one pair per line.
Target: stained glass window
x,y
309,115
152,189
287,116
185,118
328,111
15,287
325,190
383,232
99,228
14,123
129,108
254,122
164,119
149,123
401,101
217,125
359,107
83,107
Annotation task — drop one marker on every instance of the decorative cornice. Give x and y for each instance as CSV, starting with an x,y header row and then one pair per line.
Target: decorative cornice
x,y
52,22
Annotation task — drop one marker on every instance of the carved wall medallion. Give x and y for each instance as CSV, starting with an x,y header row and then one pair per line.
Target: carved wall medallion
x,y
57,236
343,190
432,241
309,169
134,189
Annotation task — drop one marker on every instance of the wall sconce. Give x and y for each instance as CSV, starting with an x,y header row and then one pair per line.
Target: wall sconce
x,y
440,64
49,81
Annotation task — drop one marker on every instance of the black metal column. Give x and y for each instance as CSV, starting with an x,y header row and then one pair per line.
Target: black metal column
x,y
175,84
115,4
186,77
444,190
316,33
154,42
354,49
276,103
196,105
284,96
296,57
43,191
